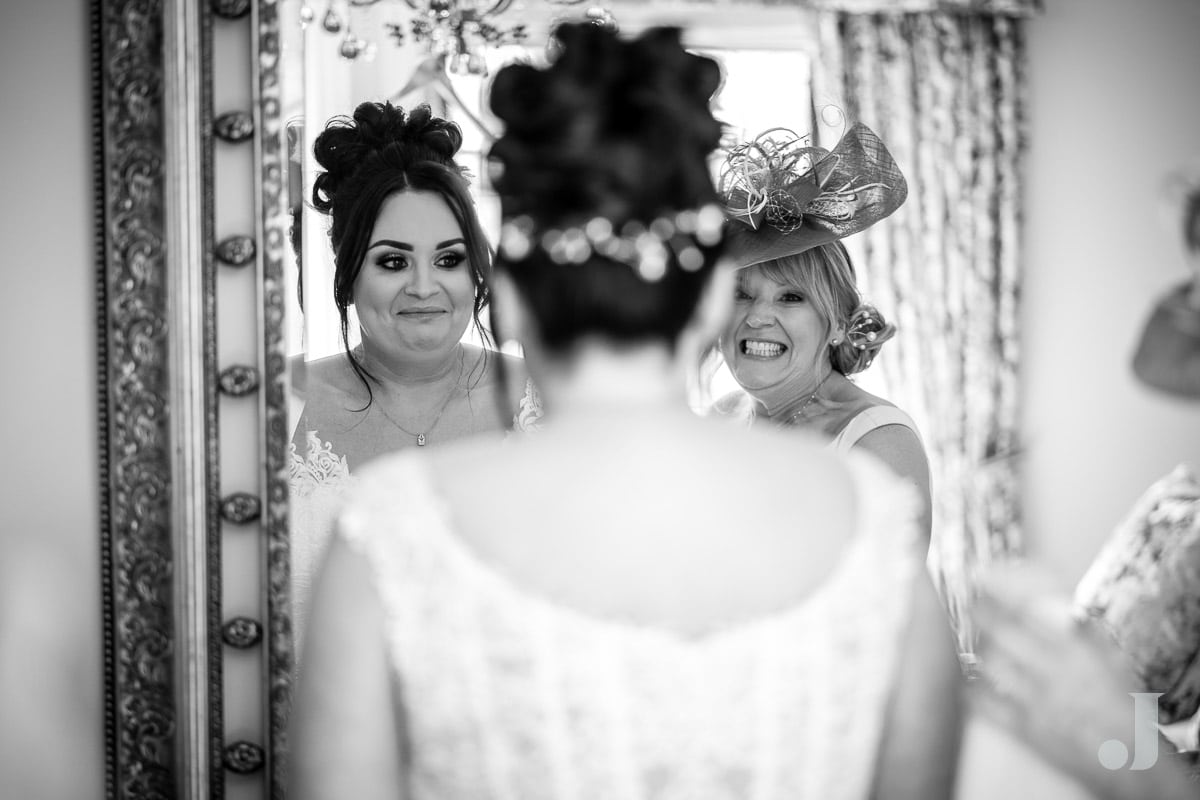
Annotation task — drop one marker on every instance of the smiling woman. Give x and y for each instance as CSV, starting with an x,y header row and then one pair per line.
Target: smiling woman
x,y
800,329
412,262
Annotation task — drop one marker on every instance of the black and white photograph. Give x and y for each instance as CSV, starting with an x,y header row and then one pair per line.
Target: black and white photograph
x,y
582,400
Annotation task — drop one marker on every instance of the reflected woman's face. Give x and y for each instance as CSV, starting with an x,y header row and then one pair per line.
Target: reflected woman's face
x,y
774,336
415,292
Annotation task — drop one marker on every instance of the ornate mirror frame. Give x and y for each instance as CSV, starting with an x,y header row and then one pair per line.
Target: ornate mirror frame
x,y
191,224
171,415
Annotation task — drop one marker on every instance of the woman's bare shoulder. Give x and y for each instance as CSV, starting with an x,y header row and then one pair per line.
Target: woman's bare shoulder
x,y
857,399
329,370
328,388
497,360
495,367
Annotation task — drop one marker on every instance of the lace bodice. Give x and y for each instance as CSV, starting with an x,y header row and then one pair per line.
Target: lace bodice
x,y
318,481
508,694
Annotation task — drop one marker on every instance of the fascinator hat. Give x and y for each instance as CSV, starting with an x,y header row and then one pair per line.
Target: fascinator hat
x,y
783,196
1168,352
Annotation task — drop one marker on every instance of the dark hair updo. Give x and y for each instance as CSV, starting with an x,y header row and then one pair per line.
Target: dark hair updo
x,y
366,159
614,129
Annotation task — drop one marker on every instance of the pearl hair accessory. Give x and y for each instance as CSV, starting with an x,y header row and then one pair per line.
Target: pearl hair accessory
x,y
865,328
641,246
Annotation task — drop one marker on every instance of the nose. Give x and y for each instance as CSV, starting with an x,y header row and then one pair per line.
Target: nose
x,y
759,316
421,284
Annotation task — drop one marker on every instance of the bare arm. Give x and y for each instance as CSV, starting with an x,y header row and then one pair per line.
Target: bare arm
x,y
345,733
899,448
918,758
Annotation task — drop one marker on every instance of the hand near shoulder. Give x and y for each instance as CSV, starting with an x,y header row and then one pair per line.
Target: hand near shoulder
x,y
1059,686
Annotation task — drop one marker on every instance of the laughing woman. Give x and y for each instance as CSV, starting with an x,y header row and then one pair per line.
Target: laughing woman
x,y
800,328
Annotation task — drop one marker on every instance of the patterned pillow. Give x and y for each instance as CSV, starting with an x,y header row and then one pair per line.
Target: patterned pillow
x,y
1144,589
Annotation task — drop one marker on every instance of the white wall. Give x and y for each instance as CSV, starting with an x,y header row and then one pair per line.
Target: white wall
x,y
1113,108
50,654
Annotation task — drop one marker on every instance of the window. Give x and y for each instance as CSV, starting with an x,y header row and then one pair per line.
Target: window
x,y
764,56
748,102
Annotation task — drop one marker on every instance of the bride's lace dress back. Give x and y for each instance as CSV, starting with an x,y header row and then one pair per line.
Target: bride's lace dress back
x,y
506,693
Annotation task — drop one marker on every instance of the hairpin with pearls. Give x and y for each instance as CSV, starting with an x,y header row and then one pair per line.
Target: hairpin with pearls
x,y
867,328
645,247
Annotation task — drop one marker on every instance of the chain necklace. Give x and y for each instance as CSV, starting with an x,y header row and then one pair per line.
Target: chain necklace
x,y
420,436
791,420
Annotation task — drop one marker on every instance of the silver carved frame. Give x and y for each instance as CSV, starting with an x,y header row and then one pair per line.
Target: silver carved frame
x,y
157,396
273,218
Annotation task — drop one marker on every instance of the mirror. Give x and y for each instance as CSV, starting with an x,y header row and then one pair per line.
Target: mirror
x,y
205,120
335,60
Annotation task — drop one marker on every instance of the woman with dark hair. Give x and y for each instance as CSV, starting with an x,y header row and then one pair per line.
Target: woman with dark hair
x,y
411,259
800,329
637,602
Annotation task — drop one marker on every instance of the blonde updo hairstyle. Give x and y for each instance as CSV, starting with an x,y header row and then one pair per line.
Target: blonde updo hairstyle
x,y
825,276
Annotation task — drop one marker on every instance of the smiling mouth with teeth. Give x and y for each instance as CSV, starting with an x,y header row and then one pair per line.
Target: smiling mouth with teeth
x,y
761,349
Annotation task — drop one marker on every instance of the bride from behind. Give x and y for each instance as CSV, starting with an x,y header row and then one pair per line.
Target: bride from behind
x,y
636,602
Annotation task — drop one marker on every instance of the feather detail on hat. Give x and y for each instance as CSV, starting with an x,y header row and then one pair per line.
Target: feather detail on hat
x,y
783,196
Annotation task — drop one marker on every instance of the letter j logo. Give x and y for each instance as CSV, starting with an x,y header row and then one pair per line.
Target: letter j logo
x,y
1114,755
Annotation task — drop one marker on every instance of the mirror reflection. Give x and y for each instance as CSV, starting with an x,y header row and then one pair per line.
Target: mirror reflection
x,y
558,609
394,225
942,83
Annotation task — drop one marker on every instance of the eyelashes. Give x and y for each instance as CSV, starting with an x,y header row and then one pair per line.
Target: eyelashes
x,y
391,262
741,295
396,262
450,260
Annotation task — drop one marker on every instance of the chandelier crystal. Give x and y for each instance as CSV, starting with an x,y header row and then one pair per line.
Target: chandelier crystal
x,y
457,32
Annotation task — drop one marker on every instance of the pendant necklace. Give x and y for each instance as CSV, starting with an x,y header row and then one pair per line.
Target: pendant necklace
x,y
420,437
791,420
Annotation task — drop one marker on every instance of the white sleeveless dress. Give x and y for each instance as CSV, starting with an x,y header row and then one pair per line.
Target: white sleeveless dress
x,y
738,407
506,693
870,419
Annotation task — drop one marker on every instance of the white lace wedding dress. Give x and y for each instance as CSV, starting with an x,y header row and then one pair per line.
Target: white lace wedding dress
x,y
508,694
318,481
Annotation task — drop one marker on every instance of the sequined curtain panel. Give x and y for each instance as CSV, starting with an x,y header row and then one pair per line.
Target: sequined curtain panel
x,y
945,91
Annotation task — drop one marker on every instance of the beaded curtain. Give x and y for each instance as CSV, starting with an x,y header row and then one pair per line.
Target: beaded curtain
x,y
945,90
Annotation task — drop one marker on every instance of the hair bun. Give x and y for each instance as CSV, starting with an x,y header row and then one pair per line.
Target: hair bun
x,y
866,332
380,132
615,127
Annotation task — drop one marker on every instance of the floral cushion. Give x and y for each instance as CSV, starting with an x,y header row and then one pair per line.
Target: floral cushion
x,y
1144,589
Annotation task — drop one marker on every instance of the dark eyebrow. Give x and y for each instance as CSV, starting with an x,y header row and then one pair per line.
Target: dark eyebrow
x,y
409,247
390,243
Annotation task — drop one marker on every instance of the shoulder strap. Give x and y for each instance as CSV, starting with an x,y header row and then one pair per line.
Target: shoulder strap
x,y
868,420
